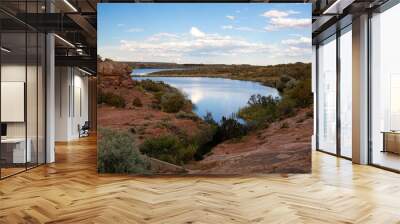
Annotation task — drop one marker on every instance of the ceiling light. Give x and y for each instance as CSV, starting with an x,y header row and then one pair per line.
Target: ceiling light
x,y
86,72
70,5
64,40
337,7
5,50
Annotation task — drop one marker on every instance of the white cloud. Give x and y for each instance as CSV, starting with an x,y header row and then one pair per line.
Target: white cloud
x,y
230,17
300,41
240,28
201,47
244,28
120,24
282,22
293,51
227,27
275,14
194,31
134,30
184,46
163,35
293,12
280,19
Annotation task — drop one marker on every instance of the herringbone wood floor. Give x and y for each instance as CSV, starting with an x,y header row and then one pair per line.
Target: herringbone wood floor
x,y
70,191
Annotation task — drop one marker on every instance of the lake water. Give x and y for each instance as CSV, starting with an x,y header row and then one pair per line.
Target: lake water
x,y
146,71
220,96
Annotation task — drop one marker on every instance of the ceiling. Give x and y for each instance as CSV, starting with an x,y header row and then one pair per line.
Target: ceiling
x,y
74,22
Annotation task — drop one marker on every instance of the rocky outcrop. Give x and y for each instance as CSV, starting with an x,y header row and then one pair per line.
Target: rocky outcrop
x,y
283,147
158,166
117,74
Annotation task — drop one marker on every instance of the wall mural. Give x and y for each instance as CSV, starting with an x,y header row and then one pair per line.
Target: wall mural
x,y
200,89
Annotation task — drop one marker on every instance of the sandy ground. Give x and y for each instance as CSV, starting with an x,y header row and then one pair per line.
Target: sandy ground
x,y
275,149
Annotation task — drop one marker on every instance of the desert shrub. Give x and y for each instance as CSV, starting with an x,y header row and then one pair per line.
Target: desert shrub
x,y
203,136
291,84
300,94
189,152
286,107
155,106
205,140
172,102
282,82
111,99
152,86
284,125
186,115
167,148
260,110
230,128
157,97
257,99
117,153
137,102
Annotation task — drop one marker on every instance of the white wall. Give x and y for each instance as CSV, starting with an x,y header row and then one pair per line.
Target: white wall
x,y
314,91
33,126
71,94
62,82
12,73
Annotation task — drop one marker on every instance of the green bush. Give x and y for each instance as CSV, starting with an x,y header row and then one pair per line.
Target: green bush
x,y
111,99
152,86
167,148
157,97
172,102
230,128
117,153
301,93
282,82
189,152
137,102
286,107
260,110
186,115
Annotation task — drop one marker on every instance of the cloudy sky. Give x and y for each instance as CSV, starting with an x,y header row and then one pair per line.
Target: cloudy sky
x,y
240,33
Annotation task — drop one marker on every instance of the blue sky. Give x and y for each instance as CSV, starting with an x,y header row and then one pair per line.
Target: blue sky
x,y
228,33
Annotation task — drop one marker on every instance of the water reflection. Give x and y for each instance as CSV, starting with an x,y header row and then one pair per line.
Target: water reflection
x,y
221,97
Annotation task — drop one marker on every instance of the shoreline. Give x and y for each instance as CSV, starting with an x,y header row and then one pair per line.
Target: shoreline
x,y
208,76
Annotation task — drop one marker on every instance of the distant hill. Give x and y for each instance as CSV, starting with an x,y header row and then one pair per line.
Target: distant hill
x,y
152,64
173,65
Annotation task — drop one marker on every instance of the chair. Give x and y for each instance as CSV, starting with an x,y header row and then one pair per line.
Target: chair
x,y
84,130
